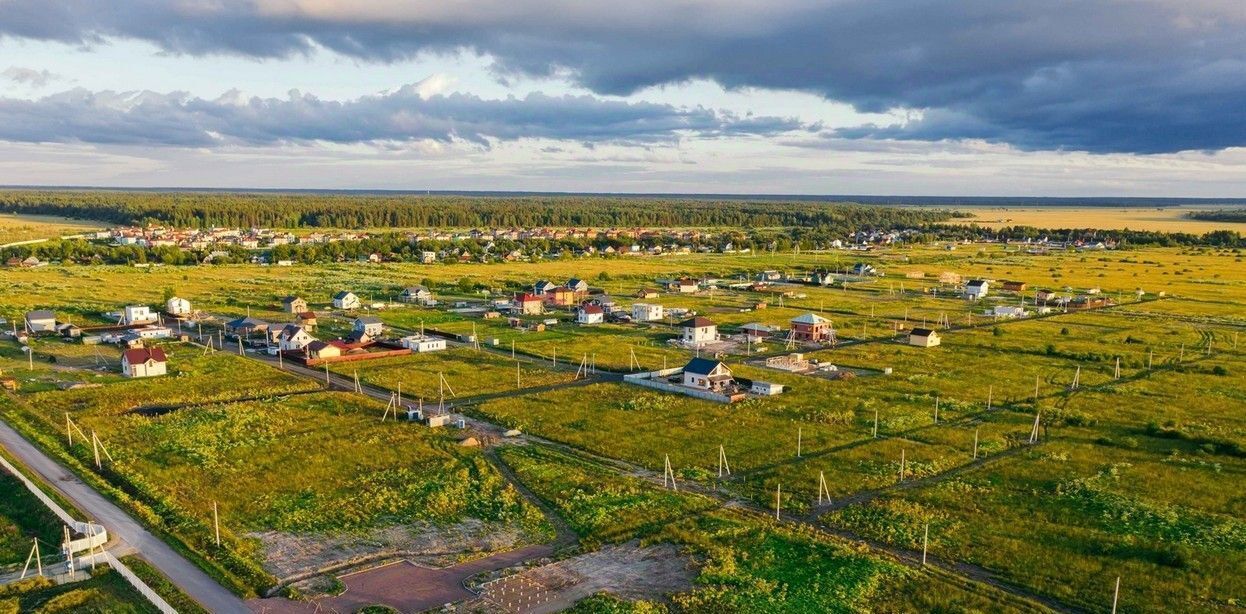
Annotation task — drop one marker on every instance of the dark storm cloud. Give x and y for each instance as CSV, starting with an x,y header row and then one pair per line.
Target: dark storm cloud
x,y
181,120
1099,75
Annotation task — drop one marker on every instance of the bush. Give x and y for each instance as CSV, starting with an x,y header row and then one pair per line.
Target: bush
x,y
1220,370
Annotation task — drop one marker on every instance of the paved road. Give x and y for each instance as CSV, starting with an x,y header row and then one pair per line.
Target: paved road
x,y
193,581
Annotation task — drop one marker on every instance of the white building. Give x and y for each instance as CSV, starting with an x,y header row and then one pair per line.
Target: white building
x,y
766,388
698,331
590,314
707,374
154,332
1007,312
345,300
138,314
421,343
294,337
976,289
177,307
41,321
371,326
646,312
924,338
144,362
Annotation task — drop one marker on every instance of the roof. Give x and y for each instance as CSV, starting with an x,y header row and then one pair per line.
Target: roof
x,y
591,309
921,332
528,298
343,294
574,281
141,355
561,289
415,289
291,330
40,314
307,315
697,322
290,299
369,320
757,326
246,322
702,366
810,318
976,283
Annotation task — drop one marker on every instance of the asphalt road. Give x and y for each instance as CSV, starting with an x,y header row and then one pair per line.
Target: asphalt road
x,y
121,527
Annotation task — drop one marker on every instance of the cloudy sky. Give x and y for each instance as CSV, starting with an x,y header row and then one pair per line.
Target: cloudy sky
x,y
949,97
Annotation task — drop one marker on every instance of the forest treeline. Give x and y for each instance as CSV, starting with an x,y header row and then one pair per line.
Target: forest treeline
x,y
302,210
1219,215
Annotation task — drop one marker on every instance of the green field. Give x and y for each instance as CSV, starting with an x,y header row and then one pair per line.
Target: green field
x,y
1138,476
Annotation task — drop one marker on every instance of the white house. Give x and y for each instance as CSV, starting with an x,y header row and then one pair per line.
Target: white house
x,y
766,388
177,307
590,314
345,300
421,343
371,326
646,312
976,289
417,294
138,314
144,362
579,286
698,331
154,332
294,337
1007,312
707,374
41,321
924,338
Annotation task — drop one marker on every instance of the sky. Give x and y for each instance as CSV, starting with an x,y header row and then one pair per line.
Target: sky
x,y
921,97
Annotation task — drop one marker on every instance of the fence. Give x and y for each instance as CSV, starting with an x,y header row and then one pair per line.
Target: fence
x,y
96,536
652,379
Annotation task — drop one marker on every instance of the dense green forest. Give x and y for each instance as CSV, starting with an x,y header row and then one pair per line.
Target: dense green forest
x,y
294,210
1221,215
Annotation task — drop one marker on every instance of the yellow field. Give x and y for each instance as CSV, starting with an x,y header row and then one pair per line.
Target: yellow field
x,y
1168,219
16,228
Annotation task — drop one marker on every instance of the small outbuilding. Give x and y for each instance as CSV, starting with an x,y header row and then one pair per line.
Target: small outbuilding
x,y
924,338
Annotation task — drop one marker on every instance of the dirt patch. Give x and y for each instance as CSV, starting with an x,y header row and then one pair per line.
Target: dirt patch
x,y
627,571
291,556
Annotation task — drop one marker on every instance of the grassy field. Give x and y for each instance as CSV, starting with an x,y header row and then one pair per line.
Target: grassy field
x,y
468,372
1138,476
107,591
1165,219
17,228
22,519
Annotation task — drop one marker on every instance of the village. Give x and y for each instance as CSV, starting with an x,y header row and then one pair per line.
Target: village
x,y
728,378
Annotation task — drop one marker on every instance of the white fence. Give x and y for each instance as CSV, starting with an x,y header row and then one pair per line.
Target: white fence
x,y
95,537
656,380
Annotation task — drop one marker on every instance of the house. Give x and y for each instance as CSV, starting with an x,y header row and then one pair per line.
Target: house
x,y
307,319
427,257
976,289
756,331
645,293
562,296
369,325
527,304
322,349
1014,286
345,300
144,362
417,294
590,314
244,327
769,275
293,304
422,343
67,329
41,321
1044,296
812,328
543,287
646,312
864,269
698,331
1088,302
1007,312
924,338
766,388
294,337
177,306
357,339
578,286
684,285
138,314
707,374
